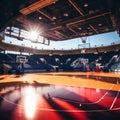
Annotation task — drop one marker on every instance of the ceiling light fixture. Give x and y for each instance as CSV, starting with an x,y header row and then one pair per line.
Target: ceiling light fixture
x,y
54,18
40,18
85,5
79,28
99,24
66,14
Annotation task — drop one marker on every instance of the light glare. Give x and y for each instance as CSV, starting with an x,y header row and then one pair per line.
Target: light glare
x,y
30,102
33,35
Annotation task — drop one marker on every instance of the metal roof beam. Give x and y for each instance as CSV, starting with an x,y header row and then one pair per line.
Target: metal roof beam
x,y
76,7
36,6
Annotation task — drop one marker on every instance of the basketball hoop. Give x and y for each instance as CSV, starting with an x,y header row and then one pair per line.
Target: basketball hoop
x,y
21,59
84,44
83,39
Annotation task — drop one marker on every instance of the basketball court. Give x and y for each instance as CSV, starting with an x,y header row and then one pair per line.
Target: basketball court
x,y
60,96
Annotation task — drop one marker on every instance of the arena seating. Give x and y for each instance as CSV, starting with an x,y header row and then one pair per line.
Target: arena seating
x,y
109,61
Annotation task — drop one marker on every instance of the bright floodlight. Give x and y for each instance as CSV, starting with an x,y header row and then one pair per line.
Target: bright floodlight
x,y
33,35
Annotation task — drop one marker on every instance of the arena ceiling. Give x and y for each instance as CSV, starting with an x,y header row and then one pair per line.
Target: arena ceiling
x,y
61,19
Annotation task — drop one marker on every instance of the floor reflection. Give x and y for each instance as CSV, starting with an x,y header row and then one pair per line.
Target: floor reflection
x,y
23,101
30,101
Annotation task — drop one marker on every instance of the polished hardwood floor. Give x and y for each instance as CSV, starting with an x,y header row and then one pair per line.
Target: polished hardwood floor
x,y
60,96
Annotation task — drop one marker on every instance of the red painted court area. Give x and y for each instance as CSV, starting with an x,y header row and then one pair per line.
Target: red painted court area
x,y
43,101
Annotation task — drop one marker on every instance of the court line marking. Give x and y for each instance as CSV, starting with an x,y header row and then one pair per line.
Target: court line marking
x,y
49,109
89,103
77,102
114,100
75,111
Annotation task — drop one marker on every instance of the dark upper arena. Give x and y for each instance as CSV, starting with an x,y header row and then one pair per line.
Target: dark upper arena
x,y
62,19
